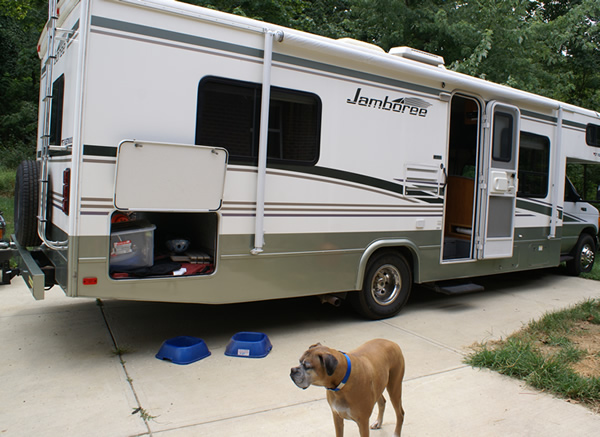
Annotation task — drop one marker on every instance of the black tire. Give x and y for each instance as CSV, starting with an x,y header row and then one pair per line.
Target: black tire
x,y
27,189
584,254
386,287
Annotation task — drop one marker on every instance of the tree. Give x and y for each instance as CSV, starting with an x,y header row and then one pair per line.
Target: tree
x,y
20,26
323,17
574,36
549,47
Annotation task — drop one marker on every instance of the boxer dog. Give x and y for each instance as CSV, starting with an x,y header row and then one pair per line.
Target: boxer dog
x,y
355,381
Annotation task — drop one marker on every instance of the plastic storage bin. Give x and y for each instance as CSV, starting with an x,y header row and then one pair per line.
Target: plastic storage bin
x,y
131,245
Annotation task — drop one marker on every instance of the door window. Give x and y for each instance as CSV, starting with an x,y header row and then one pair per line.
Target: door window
x,y
503,137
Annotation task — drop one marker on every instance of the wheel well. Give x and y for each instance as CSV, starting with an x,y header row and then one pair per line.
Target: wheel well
x,y
591,233
406,251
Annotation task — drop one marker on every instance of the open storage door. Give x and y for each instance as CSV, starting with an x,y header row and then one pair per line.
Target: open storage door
x,y
498,192
169,177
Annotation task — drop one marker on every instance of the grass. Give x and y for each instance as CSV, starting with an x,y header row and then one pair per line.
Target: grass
x,y
547,354
7,209
145,415
595,273
7,182
7,187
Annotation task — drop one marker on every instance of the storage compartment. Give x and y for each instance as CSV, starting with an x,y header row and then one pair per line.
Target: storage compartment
x,y
171,244
131,245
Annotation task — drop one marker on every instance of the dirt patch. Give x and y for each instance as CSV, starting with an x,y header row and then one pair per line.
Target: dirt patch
x,y
587,338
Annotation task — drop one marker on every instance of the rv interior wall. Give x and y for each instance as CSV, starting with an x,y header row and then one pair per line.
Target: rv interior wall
x,y
462,178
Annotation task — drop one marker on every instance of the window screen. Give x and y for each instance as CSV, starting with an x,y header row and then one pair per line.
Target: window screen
x,y
229,117
534,165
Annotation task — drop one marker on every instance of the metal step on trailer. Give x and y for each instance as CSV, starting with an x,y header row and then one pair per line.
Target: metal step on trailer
x,y
452,288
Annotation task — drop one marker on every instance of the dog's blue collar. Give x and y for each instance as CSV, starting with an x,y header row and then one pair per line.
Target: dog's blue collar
x,y
346,376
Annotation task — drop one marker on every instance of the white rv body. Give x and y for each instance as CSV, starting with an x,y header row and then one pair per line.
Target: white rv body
x,y
151,93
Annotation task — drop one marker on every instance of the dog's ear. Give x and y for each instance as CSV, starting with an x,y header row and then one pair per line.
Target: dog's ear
x,y
315,345
329,362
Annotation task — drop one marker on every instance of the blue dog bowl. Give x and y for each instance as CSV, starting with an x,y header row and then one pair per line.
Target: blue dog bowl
x,y
183,350
249,345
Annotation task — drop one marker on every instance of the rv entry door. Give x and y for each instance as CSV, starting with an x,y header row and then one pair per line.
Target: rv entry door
x,y
498,181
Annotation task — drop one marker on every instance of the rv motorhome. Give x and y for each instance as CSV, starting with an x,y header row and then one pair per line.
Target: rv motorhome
x,y
189,155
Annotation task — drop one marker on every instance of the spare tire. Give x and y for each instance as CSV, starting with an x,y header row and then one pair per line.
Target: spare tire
x,y
27,195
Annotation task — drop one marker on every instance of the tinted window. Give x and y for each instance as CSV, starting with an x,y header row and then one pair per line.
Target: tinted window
x,y
534,165
56,114
592,135
229,117
503,132
571,194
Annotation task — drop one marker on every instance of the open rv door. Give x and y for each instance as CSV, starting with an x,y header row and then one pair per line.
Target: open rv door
x,y
498,181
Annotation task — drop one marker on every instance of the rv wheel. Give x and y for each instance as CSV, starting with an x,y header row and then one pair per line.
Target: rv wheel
x,y
386,287
26,203
584,254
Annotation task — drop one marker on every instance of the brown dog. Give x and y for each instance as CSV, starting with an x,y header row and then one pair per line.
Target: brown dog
x,y
355,381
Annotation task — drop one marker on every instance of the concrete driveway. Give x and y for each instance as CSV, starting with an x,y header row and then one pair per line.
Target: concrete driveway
x,y
59,375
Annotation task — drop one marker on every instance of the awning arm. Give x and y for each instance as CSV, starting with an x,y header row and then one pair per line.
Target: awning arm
x,y
557,171
259,231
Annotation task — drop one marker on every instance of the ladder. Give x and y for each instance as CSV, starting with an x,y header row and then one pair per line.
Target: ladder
x,y
54,33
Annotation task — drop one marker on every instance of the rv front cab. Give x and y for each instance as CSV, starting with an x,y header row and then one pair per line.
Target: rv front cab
x,y
581,257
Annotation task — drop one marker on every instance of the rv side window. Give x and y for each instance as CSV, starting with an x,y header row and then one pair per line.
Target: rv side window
x,y
503,132
56,114
229,117
534,165
592,135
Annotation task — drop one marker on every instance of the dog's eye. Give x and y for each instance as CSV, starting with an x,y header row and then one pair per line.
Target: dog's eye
x,y
306,365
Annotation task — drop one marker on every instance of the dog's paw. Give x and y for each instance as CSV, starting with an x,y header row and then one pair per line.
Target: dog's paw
x,y
376,425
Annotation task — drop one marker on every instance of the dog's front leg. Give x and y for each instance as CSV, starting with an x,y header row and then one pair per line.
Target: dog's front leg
x,y
338,423
363,427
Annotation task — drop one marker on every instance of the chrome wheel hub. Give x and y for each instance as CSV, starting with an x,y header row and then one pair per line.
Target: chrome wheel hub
x,y
386,284
586,257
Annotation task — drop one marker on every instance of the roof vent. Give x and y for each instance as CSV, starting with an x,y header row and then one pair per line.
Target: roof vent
x,y
361,44
418,55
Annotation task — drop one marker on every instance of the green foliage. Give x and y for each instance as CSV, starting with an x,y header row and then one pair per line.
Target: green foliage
x,y
7,209
20,26
595,273
550,48
586,179
329,18
7,188
7,182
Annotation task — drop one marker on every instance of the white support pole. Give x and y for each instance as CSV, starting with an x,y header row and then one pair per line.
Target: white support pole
x,y
259,231
557,171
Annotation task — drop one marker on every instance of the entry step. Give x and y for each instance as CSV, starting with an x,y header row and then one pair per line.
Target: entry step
x,y
454,287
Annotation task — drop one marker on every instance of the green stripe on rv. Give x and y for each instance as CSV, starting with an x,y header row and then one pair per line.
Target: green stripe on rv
x,y
534,207
168,35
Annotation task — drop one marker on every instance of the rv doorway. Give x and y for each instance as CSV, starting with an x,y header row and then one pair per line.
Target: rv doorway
x,y
465,114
